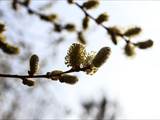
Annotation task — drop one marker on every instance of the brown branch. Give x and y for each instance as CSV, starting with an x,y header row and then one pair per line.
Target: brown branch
x,y
43,75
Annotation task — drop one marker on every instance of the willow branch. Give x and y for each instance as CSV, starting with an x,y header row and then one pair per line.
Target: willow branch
x,y
43,75
94,19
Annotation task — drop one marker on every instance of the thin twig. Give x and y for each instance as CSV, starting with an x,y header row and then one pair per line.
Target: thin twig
x,y
94,19
43,75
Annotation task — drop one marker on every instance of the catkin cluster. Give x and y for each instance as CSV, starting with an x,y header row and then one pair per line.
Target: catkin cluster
x,y
63,78
129,48
77,58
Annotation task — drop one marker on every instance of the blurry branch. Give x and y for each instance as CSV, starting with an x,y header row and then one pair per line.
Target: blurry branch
x,y
94,19
51,18
106,110
102,109
114,32
77,58
47,75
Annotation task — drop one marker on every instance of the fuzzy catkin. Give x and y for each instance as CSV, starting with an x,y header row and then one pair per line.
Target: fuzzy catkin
x,y
101,56
34,64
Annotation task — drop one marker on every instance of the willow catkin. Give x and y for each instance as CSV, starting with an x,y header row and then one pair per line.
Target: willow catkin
x,y
129,49
55,75
28,82
70,1
114,32
75,56
70,79
9,49
133,31
144,44
70,27
2,27
90,4
34,64
101,56
85,22
102,18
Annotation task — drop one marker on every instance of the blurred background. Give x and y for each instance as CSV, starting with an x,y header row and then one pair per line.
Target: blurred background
x,y
123,88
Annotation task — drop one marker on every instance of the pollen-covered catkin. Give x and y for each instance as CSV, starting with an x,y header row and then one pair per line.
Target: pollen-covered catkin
x,y
75,56
101,56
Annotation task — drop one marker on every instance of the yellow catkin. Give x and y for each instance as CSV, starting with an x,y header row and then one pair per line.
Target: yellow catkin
x,y
75,56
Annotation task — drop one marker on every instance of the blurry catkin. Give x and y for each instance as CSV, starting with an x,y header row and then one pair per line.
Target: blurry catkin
x,y
133,31
15,4
57,27
28,82
49,18
34,64
90,4
55,75
70,1
27,2
75,56
2,39
129,49
70,27
85,22
9,49
102,18
2,27
114,32
101,56
145,44
81,37
70,79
